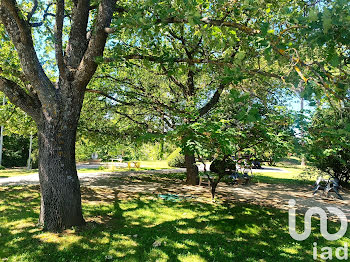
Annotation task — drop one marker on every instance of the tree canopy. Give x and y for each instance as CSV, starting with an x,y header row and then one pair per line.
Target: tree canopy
x,y
182,68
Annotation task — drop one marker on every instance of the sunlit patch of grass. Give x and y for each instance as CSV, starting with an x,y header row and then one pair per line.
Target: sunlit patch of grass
x,y
249,230
63,241
190,258
155,164
290,175
141,228
10,172
156,254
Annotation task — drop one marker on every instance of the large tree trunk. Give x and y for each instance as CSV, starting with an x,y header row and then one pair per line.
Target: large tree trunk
x,y
192,177
60,189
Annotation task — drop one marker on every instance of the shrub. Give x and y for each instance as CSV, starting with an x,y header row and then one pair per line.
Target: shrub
x,y
15,151
176,159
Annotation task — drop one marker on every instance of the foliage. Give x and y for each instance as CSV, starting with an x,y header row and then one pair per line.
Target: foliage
x,y
171,67
110,134
170,60
241,124
15,120
329,141
176,159
15,151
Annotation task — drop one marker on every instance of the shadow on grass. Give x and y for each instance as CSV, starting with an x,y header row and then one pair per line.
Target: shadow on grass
x,y
145,228
154,177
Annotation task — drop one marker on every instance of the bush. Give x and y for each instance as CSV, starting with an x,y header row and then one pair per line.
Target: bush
x,y
176,159
15,151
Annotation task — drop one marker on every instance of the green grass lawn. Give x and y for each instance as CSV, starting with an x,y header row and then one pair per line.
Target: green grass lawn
x,y
145,228
156,164
291,161
293,175
17,172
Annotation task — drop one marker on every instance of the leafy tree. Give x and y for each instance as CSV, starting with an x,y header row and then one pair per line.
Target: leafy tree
x,y
240,125
329,141
18,127
53,98
178,57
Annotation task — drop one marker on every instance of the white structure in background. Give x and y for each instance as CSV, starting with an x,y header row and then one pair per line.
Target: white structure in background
x,y
29,163
2,134
94,156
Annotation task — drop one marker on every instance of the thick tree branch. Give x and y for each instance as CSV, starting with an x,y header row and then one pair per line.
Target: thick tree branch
x,y
190,82
14,13
21,36
77,43
88,65
19,97
58,35
213,101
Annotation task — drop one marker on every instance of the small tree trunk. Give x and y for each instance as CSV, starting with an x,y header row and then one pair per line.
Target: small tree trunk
x,y
214,184
192,177
161,150
29,161
60,188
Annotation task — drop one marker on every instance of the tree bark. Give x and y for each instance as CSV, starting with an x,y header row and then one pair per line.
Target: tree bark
x,y
59,183
192,177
